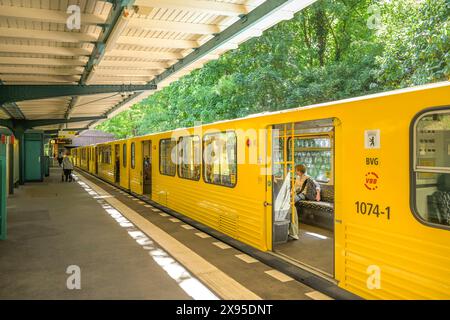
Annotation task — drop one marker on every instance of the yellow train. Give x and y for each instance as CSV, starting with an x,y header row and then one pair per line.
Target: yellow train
x,y
382,227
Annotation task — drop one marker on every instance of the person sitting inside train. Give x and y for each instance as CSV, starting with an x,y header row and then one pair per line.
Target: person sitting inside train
x,y
306,188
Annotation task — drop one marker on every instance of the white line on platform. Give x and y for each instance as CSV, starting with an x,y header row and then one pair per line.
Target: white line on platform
x,y
246,258
316,295
221,245
202,235
279,275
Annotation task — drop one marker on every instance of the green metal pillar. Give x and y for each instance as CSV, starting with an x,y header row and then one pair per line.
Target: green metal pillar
x,y
11,169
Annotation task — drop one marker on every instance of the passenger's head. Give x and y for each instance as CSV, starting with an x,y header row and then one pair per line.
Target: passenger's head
x,y
300,169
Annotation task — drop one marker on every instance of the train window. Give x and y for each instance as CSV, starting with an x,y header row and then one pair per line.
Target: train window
x,y
124,155
133,155
315,153
106,154
189,158
166,164
220,158
431,181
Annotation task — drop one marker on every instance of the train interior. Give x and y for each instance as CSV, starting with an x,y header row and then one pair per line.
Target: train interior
x,y
311,244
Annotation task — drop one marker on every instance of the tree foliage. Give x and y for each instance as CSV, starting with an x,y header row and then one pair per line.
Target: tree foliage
x,y
334,49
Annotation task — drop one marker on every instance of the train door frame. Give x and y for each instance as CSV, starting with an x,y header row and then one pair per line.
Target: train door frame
x,y
147,167
88,158
287,166
96,159
117,163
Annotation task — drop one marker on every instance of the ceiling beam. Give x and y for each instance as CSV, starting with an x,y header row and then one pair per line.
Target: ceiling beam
x,y
45,15
157,65
28,124
46,103
158,55
46,122
40,70
38,78
16,93
56,51
55,131
43,61
209,7
121,79
60,36
125,72
157,42
160,25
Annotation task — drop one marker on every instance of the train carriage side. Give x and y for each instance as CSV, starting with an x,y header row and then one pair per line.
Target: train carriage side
x,y
382,160
381,249
226,194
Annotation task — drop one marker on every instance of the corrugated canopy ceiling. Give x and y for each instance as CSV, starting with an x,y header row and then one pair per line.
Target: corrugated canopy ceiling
x,y
147,41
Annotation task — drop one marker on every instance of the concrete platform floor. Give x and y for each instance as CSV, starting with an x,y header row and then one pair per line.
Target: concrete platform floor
x,y
53,225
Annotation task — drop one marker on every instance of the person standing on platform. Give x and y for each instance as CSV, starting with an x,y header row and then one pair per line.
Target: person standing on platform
x,y
67,168
60,158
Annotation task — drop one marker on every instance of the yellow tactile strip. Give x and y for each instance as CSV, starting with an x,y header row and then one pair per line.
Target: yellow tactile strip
x,y
225,286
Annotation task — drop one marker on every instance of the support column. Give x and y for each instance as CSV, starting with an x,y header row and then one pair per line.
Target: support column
x,y
19,134
11,169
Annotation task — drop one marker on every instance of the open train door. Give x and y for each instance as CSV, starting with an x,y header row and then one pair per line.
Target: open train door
x,y
302,232
147,167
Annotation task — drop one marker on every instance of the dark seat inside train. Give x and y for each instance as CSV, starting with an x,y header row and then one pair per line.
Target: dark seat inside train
x,y
439,202
318,213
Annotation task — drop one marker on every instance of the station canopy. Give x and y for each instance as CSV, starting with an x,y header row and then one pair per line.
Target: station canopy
x,y
120,52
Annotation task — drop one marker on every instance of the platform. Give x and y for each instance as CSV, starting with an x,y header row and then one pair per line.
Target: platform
x,y
125,249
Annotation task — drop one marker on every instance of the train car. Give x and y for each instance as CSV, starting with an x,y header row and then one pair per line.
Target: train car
x,y
381,229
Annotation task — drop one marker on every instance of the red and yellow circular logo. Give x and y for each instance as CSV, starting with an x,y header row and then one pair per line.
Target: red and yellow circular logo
x,y
371,181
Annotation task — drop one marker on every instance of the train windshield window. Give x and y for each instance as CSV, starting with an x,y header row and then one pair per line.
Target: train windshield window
x,y
220,158
124,155
432,167
189,158
167,166
133,155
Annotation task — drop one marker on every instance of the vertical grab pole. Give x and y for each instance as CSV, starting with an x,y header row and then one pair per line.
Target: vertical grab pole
x,y
292,155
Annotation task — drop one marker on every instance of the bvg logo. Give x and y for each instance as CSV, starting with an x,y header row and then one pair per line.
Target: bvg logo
x,y
371,181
